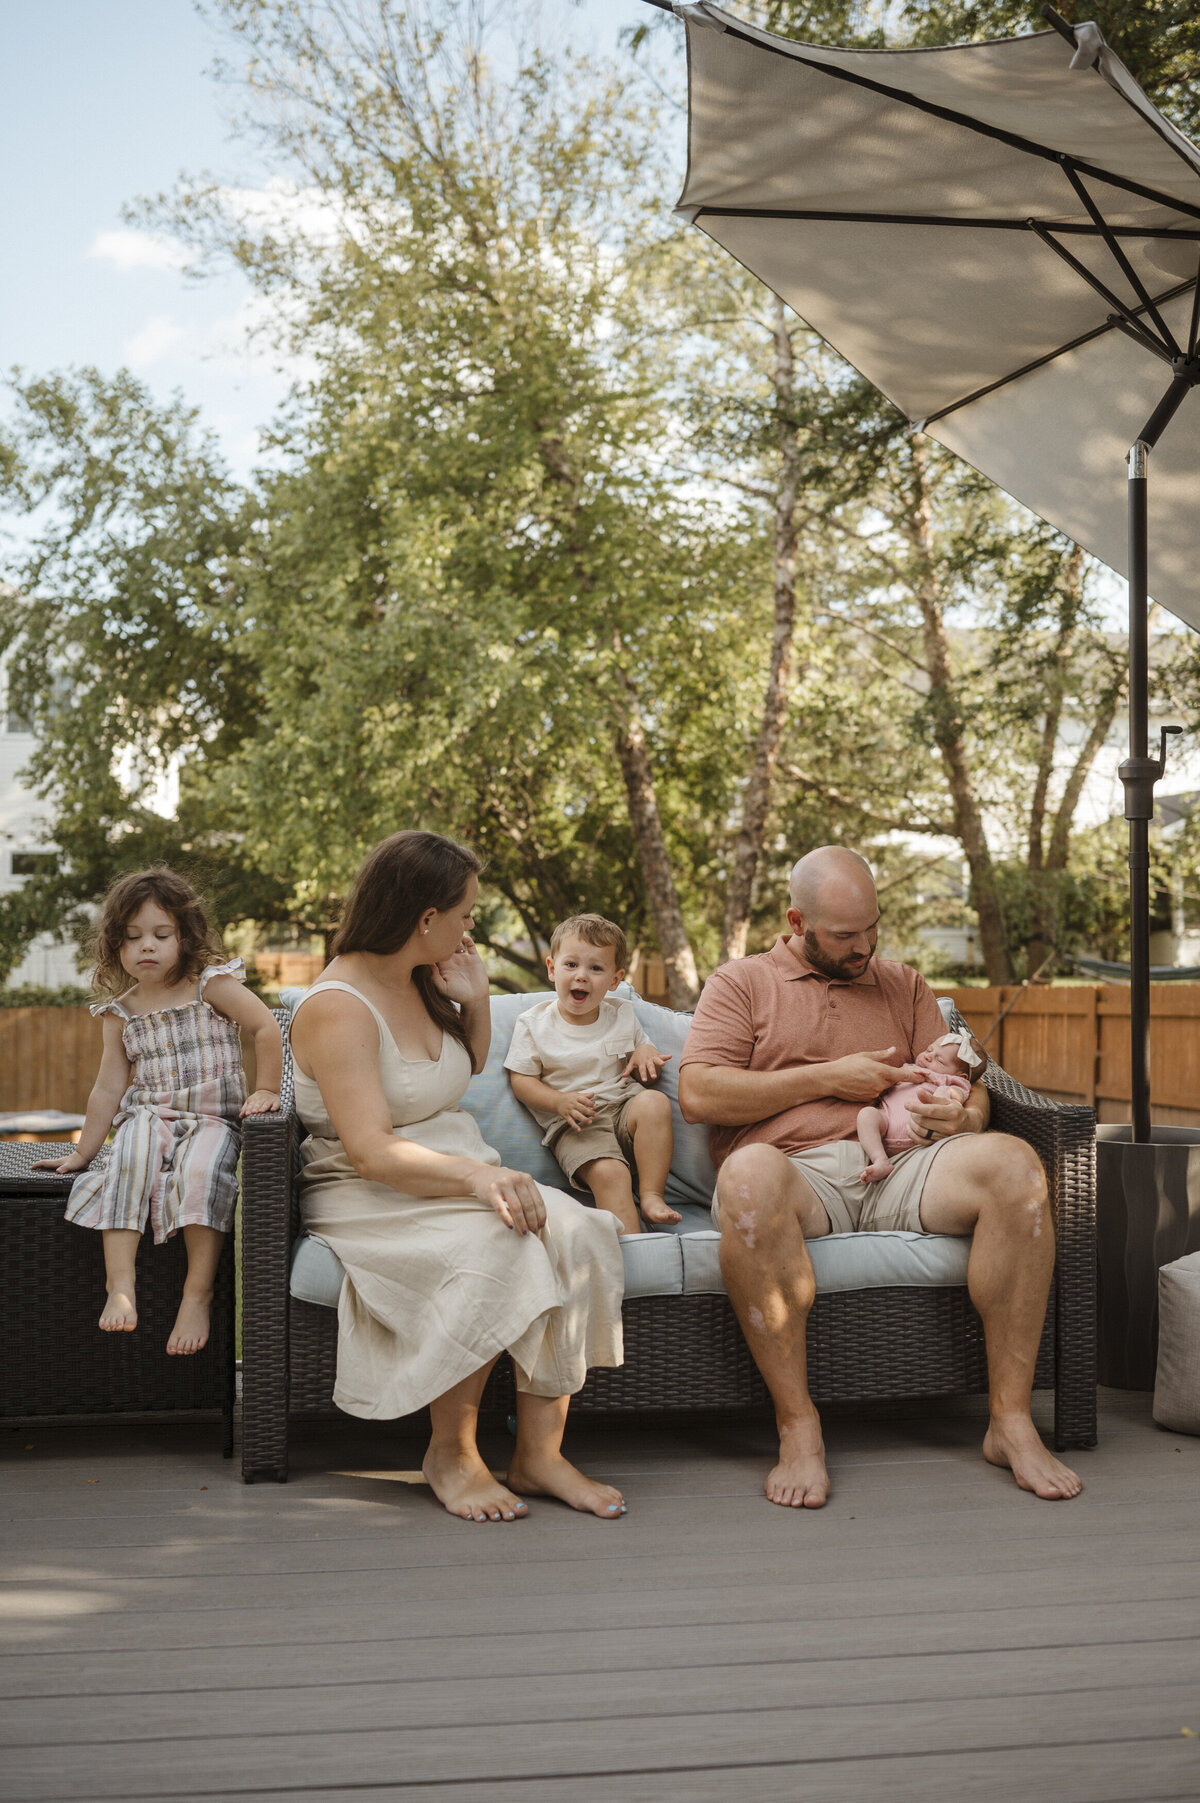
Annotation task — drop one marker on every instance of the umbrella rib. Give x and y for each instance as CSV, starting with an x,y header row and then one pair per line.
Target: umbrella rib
x,y
1027,369
1075,227
1105,293
1194,328
1015,142
1127,269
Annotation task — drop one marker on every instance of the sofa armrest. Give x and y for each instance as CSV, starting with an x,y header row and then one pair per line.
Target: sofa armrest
x,y
1063,1134
268,1183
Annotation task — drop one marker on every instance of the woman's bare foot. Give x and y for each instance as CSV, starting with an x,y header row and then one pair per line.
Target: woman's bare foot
x,y
656,1210
119,1314
190,1331
800,1480
1013,1441
877,1170
465,1487
549,1474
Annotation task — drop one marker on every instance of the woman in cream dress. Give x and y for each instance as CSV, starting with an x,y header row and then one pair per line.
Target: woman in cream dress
x,y
449,1258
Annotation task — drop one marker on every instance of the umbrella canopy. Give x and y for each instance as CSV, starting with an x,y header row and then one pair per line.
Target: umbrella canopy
x,y
1003,237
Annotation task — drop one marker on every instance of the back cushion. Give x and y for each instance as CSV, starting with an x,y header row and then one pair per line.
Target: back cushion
x,y
514,1133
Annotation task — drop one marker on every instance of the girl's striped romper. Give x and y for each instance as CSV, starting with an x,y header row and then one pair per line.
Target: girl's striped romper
x,y
174,1158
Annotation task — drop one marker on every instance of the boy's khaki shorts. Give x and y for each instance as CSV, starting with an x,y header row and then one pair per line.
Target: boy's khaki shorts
x,y
608,1136
834,1173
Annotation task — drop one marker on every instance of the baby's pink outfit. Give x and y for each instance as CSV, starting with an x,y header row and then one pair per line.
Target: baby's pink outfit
x,y
897,1101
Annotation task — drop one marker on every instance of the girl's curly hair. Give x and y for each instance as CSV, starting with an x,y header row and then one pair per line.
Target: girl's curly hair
x,y
176,897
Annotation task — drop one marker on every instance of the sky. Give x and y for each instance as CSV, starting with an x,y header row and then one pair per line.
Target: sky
x,y
107,101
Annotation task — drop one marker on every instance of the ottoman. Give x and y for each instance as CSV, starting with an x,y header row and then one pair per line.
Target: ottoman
x,y
1177,1386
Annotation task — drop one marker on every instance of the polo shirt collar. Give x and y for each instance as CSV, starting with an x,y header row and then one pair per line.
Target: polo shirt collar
x,y
793,966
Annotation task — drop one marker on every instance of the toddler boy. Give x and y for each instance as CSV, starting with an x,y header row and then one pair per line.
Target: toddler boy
x,y
573,1062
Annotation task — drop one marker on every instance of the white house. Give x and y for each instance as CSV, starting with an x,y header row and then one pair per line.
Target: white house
x,y
23,842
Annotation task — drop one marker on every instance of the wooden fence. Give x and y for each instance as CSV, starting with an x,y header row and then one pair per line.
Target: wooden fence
x,y
1071,1043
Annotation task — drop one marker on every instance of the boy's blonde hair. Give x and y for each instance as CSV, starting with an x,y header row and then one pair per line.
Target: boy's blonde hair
x,y
593,929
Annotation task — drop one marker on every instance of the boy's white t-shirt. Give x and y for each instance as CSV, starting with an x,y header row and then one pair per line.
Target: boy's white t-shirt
x,y
567,1055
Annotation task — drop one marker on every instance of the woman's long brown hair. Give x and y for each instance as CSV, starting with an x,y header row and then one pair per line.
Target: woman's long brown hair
x,y
396,883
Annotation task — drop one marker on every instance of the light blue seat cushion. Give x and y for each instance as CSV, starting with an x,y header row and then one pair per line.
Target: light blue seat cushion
x,y
653,1267
686,1262
849,1261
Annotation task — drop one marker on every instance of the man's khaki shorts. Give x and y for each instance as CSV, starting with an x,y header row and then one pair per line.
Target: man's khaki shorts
x,y
608,1136
834,1173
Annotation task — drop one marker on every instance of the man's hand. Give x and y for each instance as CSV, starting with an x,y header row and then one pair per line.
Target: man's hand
x,y
646,1064
865,1075
938,1114
577,1108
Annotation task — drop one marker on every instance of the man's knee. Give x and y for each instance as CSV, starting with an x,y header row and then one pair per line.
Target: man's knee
x,y
1014,1182
753,1193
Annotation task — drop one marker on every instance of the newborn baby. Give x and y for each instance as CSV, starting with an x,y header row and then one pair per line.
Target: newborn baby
x,y
883,1128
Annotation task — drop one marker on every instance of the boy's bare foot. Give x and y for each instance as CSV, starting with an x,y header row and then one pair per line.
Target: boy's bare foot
x,y
465,1487
1014,1441
800,1480
656,1210
190,1331
119,1314
877,1170
552,1475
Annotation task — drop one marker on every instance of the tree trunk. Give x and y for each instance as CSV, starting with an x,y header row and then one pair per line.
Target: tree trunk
x,y
1043,909
949,735
683,985
1045,922
756,801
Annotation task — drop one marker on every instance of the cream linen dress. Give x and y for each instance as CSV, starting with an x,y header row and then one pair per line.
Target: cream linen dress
x,y
436,1287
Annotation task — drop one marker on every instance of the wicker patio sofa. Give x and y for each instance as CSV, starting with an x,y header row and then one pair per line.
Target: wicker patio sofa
x,y
892,1318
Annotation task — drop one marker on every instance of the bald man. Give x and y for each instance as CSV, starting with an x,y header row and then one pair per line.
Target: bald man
x,y
784,1050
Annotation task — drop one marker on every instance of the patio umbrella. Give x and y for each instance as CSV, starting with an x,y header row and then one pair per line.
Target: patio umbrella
x,y
1005,239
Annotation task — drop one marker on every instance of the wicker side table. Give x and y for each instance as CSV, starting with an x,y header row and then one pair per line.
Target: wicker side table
x,y
54,1360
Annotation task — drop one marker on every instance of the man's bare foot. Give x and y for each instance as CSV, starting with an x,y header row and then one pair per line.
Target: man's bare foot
x,y
877,1170
465,1487
656,1210
1014,1441
119,1314
800,1480
190,1331
552,1475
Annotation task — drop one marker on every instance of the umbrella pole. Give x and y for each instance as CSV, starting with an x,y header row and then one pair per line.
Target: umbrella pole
x,y
1139,782
1140,772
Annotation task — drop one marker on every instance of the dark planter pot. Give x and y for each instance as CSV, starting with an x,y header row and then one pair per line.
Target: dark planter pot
x,y
1147,1213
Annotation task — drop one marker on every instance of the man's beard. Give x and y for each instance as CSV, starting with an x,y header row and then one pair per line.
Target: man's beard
x,y
844,969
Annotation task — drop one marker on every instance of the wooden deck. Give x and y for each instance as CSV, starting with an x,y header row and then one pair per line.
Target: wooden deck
x,y
933,1634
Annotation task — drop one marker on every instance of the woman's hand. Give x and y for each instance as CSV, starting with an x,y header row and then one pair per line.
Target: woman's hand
x,y
72,1162
462,977
514,1196
263,1101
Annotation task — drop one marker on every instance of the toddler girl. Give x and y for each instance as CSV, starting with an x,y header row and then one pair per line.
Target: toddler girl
x,y
171,1078
883,1127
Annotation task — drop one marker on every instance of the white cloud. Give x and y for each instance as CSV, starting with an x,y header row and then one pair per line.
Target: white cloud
x,y
156,340
128,249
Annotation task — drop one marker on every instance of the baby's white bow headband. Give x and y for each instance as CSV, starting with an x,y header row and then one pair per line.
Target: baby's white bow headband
x,y
961,1037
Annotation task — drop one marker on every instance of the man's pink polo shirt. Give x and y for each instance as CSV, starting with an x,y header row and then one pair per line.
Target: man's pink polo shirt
x,y
774,1011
